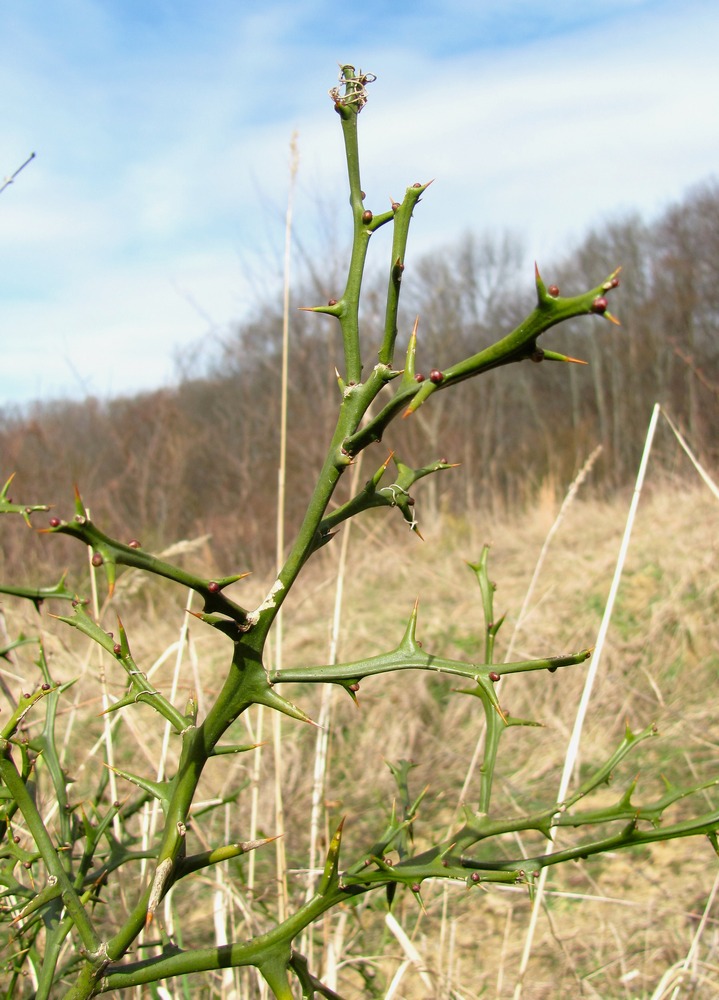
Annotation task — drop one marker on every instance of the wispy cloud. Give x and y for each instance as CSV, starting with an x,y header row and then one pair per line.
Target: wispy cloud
x,y
162,134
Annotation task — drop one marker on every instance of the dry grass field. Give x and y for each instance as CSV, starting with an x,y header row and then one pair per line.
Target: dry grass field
x,y
613,927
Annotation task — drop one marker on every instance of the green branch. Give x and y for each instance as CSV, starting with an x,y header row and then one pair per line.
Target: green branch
x,y
17,788
519,345
109,553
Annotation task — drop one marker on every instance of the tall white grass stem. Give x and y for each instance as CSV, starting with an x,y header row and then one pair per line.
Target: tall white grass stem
x,y
284,379
413,959
221,899
280,852
691,954
256,735
334,949
572,754
566,503
695,461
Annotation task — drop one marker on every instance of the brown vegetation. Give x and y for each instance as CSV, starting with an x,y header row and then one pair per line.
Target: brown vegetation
x,y
200,459
613,926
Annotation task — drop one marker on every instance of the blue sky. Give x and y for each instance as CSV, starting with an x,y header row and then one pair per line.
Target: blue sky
x,y
162,131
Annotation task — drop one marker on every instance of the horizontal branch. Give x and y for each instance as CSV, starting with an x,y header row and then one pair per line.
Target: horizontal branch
x,y
400,659
518,345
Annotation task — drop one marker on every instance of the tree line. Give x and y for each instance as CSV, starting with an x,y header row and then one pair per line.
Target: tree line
x,y
201,458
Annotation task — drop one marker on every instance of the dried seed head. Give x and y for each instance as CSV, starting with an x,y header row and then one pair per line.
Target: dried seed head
x,y
436,376
599,305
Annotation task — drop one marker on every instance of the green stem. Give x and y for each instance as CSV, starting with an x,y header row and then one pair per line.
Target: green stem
x,y
354,405
56,934
518,345
116,553
261,951
402,219
16,786
349,304
401,659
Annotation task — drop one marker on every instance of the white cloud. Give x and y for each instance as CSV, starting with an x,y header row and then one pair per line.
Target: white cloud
x,y
163,151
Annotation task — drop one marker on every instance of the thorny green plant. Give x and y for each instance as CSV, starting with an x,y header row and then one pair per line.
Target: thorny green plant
x,y
54,870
